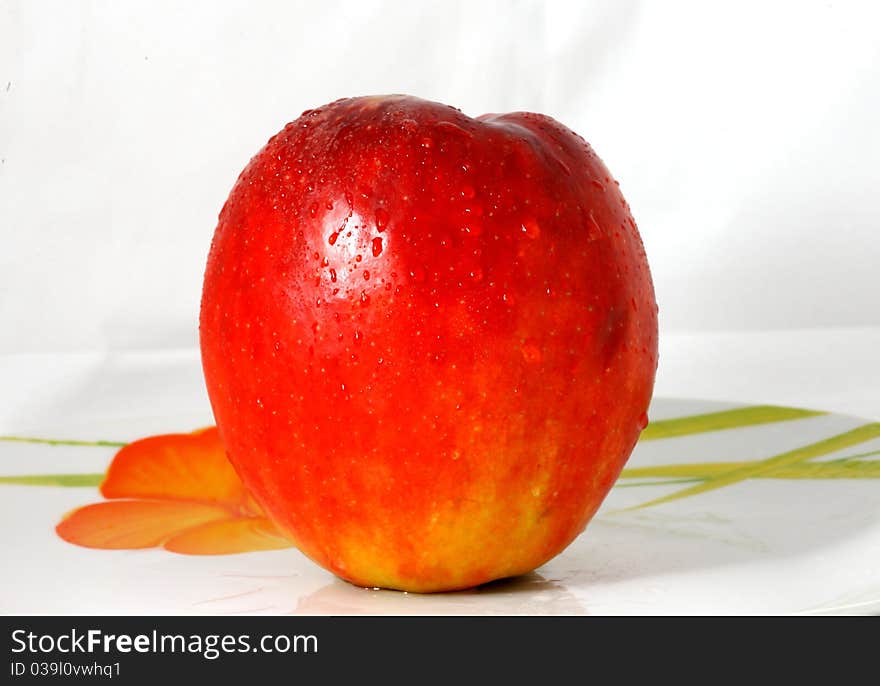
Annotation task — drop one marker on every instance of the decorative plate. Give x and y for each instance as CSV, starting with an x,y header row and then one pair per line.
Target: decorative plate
x,y
722,509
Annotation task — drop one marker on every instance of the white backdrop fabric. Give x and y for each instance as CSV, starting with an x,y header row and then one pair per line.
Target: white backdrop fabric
x,y
743,134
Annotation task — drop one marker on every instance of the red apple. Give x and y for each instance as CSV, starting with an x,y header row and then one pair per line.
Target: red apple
x,y
429,341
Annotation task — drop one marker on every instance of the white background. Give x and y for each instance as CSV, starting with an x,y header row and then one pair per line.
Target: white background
x,y
744,135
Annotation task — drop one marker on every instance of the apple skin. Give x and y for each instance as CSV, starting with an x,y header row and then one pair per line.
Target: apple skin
x,y
429,341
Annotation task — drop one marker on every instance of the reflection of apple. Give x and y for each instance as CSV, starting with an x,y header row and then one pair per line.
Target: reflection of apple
x,y
429,340
527,594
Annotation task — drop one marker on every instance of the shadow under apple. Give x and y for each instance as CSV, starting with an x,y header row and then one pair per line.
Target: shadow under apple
x,y
529,594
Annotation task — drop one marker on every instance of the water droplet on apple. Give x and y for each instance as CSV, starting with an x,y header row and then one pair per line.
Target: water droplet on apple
x,y
454,128
358,258
565,168
313,209
381,219
377,246
531,228
643,420
472,228
366,275
332,238
468,191
333,275
594,229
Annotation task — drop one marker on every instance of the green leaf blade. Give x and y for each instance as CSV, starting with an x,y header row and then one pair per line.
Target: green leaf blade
x,y
758,468
62,441
725,419
65,480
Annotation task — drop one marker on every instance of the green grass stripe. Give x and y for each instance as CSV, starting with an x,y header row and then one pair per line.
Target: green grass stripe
x,y
67,480
835,469
761,467
725,419
857,456
62,441
660,482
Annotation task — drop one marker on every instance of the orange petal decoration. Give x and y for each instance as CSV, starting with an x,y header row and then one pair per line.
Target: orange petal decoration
x,y
128,524
228,536
177,491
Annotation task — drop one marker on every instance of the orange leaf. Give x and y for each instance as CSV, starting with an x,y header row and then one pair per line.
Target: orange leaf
x,y
229,536
188,467
127,524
